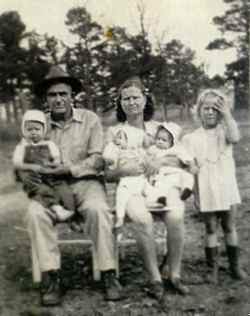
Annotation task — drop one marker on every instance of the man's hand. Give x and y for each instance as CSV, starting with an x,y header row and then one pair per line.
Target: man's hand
x,y
57,171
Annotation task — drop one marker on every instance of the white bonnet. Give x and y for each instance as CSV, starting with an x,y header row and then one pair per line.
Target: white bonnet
x,y
34,115
174,129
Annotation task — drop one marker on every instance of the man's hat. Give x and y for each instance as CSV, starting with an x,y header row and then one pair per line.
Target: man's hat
x,y
57,75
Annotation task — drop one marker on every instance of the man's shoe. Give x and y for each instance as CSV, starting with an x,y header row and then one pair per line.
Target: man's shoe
x,y
50,288
179,287
112,287
156,290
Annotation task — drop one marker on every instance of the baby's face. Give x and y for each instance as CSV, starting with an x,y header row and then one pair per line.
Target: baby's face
x,y
163,140
120,139
34,131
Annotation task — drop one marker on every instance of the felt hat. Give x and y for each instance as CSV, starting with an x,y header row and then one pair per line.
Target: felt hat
x,y
57,75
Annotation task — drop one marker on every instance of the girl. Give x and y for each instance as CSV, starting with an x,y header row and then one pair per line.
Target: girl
x,y
212,146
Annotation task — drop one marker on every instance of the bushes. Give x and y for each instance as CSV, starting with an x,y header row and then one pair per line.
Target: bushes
x,y
9,132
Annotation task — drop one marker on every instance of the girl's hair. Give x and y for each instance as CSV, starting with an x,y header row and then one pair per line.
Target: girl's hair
x,y
202,96
149,106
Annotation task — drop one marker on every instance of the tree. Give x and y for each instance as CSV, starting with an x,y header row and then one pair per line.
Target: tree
x,y
12,55
178,79
83,58
234,25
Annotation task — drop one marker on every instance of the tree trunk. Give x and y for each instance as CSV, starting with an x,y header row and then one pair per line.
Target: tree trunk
x,y
8,112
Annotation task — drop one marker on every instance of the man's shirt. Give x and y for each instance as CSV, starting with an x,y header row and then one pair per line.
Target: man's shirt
x,y
80,141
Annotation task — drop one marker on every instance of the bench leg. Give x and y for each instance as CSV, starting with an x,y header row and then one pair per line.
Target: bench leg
x,y
95,268
117,257
36,272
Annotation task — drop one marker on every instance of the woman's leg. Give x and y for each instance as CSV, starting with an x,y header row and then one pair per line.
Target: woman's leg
x,y
143,228
174,220
231,239
211,245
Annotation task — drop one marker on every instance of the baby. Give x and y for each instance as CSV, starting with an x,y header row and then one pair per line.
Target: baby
x,y
31,155
126,153
166,148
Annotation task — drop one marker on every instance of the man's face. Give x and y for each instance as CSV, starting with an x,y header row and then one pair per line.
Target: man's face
x,y
59,98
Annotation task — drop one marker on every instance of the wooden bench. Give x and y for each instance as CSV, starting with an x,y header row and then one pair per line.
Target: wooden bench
x,y
120,244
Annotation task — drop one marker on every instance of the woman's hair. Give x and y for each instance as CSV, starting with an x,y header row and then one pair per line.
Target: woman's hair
x,y
149,106
202,96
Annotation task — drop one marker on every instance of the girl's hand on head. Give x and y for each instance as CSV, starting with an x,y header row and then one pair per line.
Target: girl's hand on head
x,y
222,107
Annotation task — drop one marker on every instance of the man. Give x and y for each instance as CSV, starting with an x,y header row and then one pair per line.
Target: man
x,y
78,134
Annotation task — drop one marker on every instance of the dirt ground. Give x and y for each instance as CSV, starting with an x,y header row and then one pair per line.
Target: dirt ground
x,y
83,297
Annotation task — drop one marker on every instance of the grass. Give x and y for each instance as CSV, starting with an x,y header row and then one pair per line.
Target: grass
x,y
18,296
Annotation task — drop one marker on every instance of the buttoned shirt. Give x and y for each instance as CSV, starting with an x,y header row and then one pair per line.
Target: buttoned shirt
x,y
80,141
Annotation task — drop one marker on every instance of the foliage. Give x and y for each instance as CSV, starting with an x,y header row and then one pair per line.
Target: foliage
x,y
234,25
12,56
101,58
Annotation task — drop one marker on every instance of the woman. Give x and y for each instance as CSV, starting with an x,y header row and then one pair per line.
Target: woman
x,y
134,112
211,145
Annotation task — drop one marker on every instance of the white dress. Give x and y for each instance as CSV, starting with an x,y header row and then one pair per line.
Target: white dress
x,y
218,189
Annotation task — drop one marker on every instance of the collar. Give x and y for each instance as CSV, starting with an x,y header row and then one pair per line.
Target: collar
x,y
76,116
25,142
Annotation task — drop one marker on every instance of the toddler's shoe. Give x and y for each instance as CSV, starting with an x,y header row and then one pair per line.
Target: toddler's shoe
x,y
186,193
62,215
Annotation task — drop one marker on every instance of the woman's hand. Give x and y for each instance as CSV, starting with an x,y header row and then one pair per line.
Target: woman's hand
x,y
152,167
170,161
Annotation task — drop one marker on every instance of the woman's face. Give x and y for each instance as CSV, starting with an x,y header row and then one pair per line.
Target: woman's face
x,y
208,113
133,101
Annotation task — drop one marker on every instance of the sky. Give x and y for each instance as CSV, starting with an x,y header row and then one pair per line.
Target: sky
x,y
187,20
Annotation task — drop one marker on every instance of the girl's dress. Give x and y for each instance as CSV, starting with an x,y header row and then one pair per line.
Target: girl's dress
x,y
218,189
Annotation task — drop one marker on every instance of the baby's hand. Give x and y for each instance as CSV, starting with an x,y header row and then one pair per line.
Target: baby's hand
x,y
193,167
119,222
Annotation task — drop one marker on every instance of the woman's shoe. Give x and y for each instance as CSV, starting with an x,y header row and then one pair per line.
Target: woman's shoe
x,y
155,289
179,286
